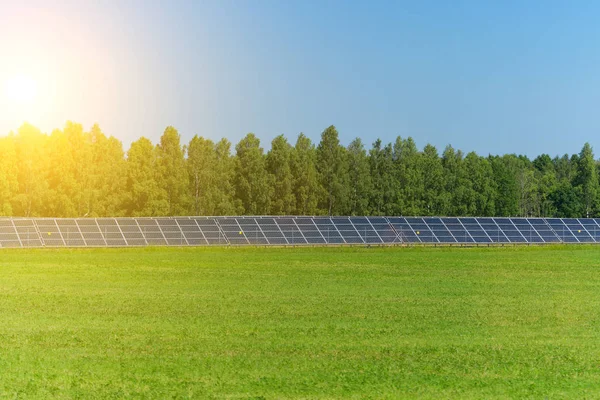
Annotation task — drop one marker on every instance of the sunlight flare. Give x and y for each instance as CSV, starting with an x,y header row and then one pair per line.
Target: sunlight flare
x,y
20,89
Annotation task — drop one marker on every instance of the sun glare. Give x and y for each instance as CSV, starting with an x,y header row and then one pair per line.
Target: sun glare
x,y
20,89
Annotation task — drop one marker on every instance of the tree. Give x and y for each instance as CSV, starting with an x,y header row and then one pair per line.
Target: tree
x,y
252,183
108,176
278,166
202,172
305,185
32,172
224,193
507,191
9,184
172,171
587,180
359,178
384,184
565,167
145,196
77,173
546,178
333,172
407,168
457,198
482,185
567,200
69,180
432,173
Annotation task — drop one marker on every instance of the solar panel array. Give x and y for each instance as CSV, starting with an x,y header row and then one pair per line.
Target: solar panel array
x,y
267,230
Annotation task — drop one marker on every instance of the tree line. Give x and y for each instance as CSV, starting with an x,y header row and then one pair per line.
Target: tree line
x,y
77,173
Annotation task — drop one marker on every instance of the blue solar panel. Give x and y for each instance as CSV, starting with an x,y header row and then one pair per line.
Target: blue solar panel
x,y
510,230
592,228
492,230
562,230
289,230
527,230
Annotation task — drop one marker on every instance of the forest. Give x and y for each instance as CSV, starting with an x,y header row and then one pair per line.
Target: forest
x,y
77,173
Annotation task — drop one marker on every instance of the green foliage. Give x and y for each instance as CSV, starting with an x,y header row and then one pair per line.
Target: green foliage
x,y
433,181
305,188
202,171
567,200
278,161
333,172
507,188
383,181
9,184
146,197
78,173
359,178
172,177
32,172
252,182
546,178
587,180
224,194
409,175
107,176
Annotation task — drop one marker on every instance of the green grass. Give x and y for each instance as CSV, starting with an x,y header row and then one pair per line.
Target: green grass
x,y
300,323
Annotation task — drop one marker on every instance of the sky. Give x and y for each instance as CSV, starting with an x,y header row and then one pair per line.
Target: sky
x,y
491,77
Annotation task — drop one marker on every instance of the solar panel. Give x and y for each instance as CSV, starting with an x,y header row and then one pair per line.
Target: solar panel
x,y
592,228
562,230
8,234
328,230
457,230
578,230
403,230
439,229
527,230
366,230
492,230
289,230
510,230
385,230
544,230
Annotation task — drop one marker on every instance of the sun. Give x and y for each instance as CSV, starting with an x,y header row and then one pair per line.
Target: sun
x,y
20,89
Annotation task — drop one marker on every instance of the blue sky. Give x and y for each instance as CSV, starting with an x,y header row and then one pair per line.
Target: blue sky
x,y
494,77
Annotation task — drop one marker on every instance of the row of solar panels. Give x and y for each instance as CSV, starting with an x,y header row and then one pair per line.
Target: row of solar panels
x,y
199,231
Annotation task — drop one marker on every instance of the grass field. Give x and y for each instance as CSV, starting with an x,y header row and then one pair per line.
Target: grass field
x,y
300,323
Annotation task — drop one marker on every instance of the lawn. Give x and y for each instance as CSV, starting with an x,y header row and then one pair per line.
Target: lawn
x,y
276,323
